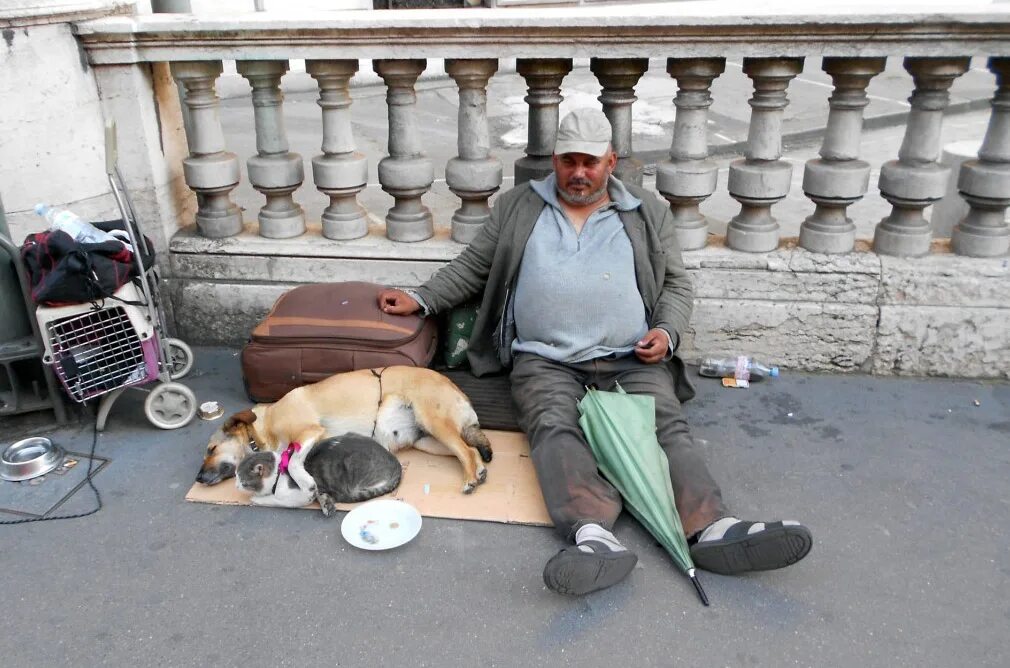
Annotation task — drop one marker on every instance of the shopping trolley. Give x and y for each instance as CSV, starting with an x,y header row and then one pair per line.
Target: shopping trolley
x,y
102,348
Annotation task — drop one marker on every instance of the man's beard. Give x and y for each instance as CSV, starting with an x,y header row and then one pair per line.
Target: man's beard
x,y
581,200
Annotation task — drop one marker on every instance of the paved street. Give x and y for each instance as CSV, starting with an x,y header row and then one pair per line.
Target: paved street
x,y
902,481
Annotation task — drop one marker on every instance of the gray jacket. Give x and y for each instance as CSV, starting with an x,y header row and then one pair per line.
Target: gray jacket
x,y
490,263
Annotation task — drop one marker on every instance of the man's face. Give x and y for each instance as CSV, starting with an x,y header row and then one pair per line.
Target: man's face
x,y
582,178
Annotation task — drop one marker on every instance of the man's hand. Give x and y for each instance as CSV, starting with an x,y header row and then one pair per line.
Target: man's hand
x,y
397,302
653,346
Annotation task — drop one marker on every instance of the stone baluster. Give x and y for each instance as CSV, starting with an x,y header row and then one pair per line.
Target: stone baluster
x,y
210,171
340,172
839,178
761,179
275,171
618,77
543,78
985,183
474,175
688,178
915,180
405,173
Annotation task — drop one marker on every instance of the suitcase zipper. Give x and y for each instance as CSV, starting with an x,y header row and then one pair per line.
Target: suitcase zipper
x,y
330,340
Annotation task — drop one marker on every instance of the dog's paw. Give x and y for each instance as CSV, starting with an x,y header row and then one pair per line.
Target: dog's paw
x,y
477,439
481,475
469,486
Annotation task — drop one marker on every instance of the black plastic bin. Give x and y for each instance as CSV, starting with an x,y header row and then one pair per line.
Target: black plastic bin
x,y
26,384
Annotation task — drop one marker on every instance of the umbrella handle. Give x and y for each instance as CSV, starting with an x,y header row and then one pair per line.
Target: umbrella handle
x,y
697,586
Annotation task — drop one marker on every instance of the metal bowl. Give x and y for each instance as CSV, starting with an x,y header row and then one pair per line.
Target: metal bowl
x,y
30,458
210,410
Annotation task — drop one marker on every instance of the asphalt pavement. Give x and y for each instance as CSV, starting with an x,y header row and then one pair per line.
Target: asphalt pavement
x,y
902,482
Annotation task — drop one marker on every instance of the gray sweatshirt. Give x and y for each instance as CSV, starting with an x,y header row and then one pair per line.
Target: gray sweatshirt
x,y
576,296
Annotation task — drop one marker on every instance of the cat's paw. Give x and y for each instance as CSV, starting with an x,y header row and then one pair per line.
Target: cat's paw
x,y
326,504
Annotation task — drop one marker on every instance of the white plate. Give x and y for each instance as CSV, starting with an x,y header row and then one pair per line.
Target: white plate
x,y
381,525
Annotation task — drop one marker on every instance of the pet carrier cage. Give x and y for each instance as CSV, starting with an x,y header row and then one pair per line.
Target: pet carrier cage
x,y
101,348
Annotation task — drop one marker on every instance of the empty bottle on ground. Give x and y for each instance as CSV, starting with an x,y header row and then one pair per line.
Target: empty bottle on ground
x,y
741,368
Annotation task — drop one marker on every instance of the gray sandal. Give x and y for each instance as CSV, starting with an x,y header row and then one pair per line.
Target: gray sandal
x,y
572,571
775,546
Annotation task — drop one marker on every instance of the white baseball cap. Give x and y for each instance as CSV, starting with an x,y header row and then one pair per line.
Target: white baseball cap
x,y
585,130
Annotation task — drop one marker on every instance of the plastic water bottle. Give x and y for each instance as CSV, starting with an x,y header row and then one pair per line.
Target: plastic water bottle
x,y
67,221
741,368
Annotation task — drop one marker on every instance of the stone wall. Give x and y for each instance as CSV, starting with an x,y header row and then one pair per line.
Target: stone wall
x,y
935,315
51,151
53,124
941,315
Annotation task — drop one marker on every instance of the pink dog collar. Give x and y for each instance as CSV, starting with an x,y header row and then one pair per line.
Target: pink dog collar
x,y
286,456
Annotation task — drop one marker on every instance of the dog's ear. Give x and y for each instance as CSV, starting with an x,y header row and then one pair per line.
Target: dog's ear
x,y
243,417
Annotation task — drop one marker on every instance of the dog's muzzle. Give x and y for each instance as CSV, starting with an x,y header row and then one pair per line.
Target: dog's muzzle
x,y
215,475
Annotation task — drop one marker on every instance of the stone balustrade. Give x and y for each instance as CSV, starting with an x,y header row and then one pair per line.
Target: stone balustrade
x,y
695,38
619,58
274,171
340,172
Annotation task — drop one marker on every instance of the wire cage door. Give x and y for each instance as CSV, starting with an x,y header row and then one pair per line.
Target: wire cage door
x,y
100,351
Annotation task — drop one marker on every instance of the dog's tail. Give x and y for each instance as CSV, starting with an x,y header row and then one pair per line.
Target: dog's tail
x,y
476,439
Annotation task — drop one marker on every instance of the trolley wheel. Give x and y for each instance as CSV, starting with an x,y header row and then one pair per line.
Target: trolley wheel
x,y
170,406
180,358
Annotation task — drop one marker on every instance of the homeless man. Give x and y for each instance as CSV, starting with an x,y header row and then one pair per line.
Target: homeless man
x,y
583,284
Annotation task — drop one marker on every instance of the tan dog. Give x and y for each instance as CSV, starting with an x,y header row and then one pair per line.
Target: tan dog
x,y
398,406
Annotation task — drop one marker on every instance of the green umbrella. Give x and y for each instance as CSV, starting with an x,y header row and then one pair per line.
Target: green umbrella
x,y
621,430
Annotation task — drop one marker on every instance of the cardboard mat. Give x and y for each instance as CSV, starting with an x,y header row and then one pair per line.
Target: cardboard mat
x,y
433,485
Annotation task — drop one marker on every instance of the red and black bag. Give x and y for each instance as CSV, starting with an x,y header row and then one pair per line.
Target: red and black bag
x,y
315,331
63,271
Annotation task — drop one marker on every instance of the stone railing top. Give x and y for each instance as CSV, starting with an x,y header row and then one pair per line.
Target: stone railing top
x,y
682,29
19,13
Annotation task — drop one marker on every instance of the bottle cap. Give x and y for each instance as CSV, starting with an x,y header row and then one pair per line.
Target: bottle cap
x,y
774,372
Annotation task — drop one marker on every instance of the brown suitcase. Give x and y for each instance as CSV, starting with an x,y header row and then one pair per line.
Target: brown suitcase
x,y
315,331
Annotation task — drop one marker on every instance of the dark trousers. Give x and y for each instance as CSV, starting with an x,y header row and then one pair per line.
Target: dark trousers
x,y
546,395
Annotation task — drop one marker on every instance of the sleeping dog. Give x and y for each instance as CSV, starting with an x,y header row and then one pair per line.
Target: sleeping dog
x,y
398,406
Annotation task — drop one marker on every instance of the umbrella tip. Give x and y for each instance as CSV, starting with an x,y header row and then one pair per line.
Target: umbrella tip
x,y
698,588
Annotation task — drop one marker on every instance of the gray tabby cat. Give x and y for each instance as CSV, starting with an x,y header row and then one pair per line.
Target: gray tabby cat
x,y
346,469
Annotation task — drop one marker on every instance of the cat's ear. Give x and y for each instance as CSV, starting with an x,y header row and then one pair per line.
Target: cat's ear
x,y
259,470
